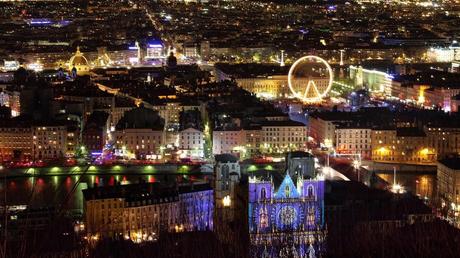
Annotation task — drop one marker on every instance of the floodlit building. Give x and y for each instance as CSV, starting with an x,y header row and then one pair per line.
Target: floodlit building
x,y
286,220
140,212
448,178
155,49
227,175
79,64
191,141
140,132
402,145
227,141
49,142
353,139
282,136
15,142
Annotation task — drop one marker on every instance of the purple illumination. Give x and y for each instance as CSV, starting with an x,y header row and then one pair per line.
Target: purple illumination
x,y
293,210
63,23
304,31
40,21
96,153
156,43
196,208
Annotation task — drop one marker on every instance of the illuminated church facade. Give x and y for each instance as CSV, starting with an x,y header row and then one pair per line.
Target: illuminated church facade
x,y
287,221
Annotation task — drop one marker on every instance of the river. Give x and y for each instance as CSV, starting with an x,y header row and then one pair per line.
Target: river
x,y
65,190
420,184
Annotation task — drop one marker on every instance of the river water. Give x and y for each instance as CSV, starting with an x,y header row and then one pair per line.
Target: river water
x,y
64,191
420,184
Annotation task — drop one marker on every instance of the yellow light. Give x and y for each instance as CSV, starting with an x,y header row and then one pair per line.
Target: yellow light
x,y
397,188
226,201
383,151
425,151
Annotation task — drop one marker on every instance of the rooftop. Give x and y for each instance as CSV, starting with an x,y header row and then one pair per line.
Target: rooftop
x,y
156,192
452,163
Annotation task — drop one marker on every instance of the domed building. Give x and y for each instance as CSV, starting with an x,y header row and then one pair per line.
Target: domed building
x,y
79,64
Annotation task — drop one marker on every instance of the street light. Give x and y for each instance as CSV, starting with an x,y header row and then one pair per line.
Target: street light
x,y
356,165
396,188
226,201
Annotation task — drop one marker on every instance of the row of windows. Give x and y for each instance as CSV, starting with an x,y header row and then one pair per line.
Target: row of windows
x,y
282,139
277,129
120,137
283,134
26,130
350,141
350,146
193,137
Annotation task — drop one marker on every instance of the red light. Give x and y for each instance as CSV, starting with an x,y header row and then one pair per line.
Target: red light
x,y
111,180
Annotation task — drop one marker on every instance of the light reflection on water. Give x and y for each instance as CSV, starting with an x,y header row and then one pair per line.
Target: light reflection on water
x,y
52,191
423,185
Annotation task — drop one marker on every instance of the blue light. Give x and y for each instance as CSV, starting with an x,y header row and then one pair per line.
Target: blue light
x,y
39,21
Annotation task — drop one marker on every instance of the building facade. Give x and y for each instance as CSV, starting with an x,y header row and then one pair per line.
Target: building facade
x,y
140,142
283,136
226,141
353,140
15,143
191,141
141,212
448,180
49,142
286,221
402,145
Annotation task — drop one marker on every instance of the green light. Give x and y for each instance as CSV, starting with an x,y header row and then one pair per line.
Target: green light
x,y
269,167
149,168
92,168
55,169
252,168
76,169
184,169
55,180
117,168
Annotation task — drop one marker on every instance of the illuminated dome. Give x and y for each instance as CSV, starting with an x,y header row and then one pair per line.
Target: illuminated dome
x,y
79,62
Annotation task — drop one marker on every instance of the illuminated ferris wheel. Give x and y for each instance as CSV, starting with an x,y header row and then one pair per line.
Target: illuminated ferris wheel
x,y
310,79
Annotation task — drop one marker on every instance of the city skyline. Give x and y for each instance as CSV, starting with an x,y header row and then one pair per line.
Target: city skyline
x,y
204,128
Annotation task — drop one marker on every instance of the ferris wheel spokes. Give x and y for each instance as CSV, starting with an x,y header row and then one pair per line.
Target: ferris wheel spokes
x,y
312,93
